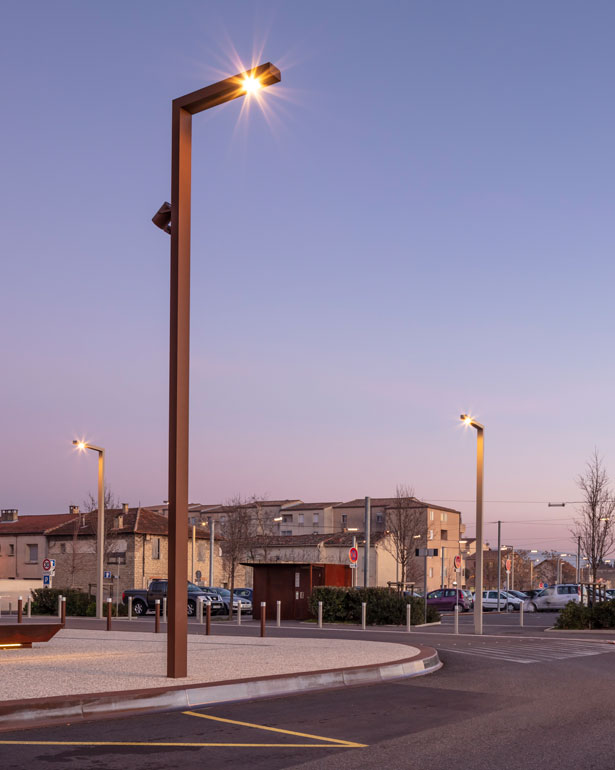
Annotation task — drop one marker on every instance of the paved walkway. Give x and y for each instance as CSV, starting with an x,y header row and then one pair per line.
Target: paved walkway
x,y
82,661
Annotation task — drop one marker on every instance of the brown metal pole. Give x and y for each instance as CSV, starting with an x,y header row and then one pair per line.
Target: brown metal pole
x,y
109,614
19,610
263,617
63,611
157,623
208,620
179,375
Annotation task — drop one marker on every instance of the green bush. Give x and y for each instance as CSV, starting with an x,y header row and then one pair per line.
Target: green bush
x,y
45,602
384,607
577,616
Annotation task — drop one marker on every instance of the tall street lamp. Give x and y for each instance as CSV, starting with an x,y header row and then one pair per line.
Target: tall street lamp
x,y
100,529
177,214
478,601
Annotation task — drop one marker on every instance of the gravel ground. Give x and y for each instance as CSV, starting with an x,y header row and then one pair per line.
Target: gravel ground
x,y
79,661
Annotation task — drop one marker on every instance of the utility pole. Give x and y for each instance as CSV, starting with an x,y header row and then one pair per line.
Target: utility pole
x,y
578,559
442,570
211,523
499,562
368,538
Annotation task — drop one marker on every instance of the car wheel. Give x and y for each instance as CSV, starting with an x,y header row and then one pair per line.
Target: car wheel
x,y
531,607
191,609
510,607
139,607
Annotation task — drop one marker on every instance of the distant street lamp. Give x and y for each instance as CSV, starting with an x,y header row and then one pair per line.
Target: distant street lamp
x,y
559,569
478,601
177,216
100,529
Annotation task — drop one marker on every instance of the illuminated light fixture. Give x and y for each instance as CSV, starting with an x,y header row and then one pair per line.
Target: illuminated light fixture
x,y
278,518
6,646
252,84
353,529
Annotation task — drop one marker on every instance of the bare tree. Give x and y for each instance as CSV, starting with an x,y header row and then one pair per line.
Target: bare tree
x,y
595,525
236,528
406,525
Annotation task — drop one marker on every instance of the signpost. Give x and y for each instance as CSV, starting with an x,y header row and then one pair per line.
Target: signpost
x,y
47,580
49,570
508,566
425,552
353,555
457,563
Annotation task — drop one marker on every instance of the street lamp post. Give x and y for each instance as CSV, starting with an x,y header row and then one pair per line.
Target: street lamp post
x,y
100,528
480,441
178,214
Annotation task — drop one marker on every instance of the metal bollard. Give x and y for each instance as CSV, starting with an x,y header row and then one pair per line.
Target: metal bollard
x,y
130,608
319,614
157,623
263,617
208,618
164,609
109,605
238,612
200,602
60,606
457,608
408,616
29,606
19,609
363,615
278,613
521,614
63,611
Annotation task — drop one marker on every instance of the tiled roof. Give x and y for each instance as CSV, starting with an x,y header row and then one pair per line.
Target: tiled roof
x,y
136,520
391,502
36,524
311,506
337,539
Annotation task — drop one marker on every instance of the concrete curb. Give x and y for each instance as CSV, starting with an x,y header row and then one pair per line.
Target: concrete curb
x,y
554,630
43,712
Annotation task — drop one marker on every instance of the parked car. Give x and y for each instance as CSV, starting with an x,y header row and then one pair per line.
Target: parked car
x,y
518,594
469,597
532,592
508,602
447,598
554,598
246,604
245,593
145,599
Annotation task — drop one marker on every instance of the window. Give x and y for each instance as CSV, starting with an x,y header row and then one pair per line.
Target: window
x,y
32,553
430,515
62,547
315,518
11,549
301,518
444,534
430,534
117,558
156,548
379,518
286,532
443,517
435,594
431,572
344,519
287,519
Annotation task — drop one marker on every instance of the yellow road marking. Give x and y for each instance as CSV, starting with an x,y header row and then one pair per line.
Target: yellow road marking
x,y
277,730
187,745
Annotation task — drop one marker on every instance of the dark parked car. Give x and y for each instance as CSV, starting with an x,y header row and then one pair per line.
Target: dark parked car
x,y
447,598
245,593
145,599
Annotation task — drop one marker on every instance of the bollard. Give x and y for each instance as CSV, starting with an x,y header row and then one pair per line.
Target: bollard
x,y
363,615
63,611
19,609
521,614
109,603
200,601
457,618
130,608
408,616
157,623
278,613
319,614
263,617
238,611
60,606
29,606
164,609
208,618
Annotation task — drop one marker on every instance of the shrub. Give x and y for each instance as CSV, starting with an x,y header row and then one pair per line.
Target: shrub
x,y
577,616
384,607
45,602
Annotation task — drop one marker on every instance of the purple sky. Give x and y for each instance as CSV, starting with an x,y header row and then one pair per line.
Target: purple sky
x,y
420,224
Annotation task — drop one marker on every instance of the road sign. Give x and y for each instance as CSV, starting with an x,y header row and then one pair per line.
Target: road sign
x,y
53,563
46,580
46,565
541,584
353,565
106,575
426,551
457,562
508,565
353,555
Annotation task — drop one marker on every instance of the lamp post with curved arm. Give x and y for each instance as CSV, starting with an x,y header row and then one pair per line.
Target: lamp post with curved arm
x,y
478,588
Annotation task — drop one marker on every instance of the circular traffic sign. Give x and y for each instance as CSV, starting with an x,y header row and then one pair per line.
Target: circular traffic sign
x,y
46,565
508,565
457,562
353,555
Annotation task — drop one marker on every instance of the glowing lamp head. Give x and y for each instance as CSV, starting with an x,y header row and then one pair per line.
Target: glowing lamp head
x,y
466,419
79,444
251,84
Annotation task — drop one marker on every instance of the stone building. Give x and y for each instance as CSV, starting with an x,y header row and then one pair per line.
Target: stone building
x,y
136,551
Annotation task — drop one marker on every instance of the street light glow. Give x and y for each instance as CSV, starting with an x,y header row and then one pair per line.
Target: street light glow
x,y
79,444
251,84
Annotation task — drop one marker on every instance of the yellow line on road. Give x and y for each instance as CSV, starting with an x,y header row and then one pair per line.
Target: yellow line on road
x,y
187,745
346,744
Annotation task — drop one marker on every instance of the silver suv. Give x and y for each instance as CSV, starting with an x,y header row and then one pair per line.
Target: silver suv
x,y
554,598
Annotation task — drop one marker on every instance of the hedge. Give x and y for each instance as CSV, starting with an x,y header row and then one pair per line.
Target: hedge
x,y
384,607
45,602
577,616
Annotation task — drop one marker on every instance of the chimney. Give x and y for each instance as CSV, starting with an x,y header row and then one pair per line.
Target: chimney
x,y
9,514
124,507
73,509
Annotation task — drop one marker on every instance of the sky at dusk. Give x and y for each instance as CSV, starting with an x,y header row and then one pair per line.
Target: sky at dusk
x,y
416,222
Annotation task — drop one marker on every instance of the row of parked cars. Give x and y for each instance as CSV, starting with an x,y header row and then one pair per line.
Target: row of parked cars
x,y
553,598
144,600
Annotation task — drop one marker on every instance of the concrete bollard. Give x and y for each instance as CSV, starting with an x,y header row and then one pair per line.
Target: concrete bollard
x,y
63,611
319,614
408,617
278,613
29,606
238,611
199,611
157,622
363,615
164,610
130,608
457,608
521,614
208,618
263,617
109,606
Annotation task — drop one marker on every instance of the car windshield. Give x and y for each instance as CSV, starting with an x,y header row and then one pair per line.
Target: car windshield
x,y
224,592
